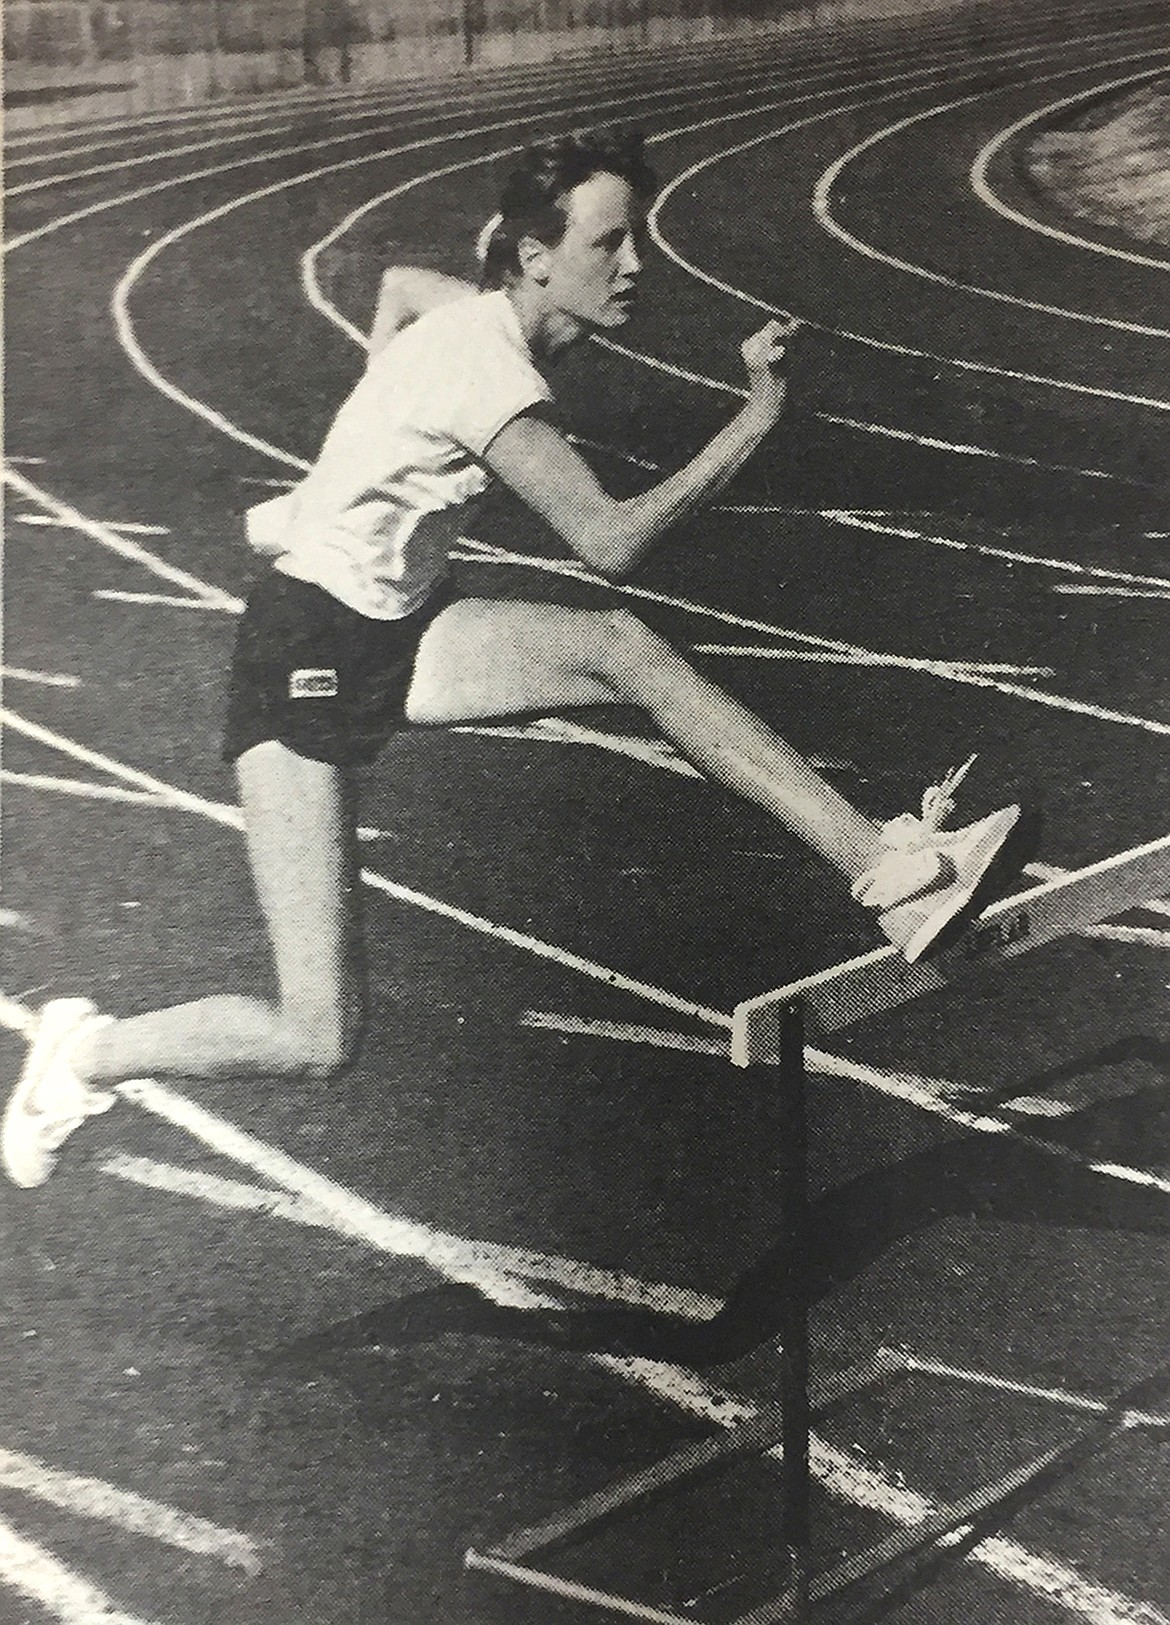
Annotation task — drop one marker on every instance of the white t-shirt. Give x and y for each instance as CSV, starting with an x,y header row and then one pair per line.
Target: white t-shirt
x,y
374,519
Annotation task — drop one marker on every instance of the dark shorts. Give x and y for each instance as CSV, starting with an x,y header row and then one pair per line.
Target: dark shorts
x,y
318,677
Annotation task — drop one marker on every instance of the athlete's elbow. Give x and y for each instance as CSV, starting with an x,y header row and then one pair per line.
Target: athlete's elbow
x,y
604,545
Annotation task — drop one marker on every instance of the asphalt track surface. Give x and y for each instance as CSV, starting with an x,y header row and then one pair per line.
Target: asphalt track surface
x,y
544,1187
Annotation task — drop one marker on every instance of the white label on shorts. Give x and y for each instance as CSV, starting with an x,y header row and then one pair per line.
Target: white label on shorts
x,y
313,684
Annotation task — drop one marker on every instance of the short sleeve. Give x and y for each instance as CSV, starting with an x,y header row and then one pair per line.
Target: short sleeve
x,y
499,383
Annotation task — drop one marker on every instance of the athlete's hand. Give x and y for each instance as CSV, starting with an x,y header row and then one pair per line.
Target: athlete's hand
x,y
765,355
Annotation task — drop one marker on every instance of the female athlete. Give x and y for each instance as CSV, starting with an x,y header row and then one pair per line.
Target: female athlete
x,y
355,632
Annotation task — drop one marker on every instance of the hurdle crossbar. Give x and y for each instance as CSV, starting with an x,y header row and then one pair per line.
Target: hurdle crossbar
x,y
862,987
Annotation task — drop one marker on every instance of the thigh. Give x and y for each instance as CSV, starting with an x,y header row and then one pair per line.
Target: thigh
x,y
483,658
299,816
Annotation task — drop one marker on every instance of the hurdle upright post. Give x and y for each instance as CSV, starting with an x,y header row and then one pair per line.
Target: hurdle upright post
x,y
794,1377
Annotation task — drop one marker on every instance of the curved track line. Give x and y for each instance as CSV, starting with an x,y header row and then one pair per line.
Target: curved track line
x,y
120,302
822,210
982,188
867,340
440,113
125,327
103,205
860,521
884,430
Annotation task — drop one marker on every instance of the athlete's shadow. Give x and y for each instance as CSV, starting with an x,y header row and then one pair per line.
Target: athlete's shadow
x,y
988,1177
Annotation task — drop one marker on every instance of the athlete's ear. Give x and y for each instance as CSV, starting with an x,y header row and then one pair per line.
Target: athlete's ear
x,y
533,256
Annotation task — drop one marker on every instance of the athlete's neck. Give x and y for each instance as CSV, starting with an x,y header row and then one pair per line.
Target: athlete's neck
x,y
548,331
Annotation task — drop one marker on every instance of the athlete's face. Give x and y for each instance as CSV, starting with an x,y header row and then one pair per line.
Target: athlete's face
x,y
591,275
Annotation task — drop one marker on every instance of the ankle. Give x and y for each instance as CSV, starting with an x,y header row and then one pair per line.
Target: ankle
x,y
90,1053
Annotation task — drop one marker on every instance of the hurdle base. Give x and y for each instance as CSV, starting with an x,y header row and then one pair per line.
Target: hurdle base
x,y
783,1427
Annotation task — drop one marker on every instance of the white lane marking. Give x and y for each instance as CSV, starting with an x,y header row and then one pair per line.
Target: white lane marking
x,y
842,1474
168,600
34,1572
49,679
221,813
934,443
853,1481
831,657
557,731
957,674
378,108
139,1514
32,462
981,185
887,346
1071,590
823,212
316,297
70,517
886,431
857,520
126,527
82,787
1051,871
291,1203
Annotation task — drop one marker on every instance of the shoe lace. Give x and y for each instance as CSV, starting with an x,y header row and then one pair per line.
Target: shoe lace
x,y
938,800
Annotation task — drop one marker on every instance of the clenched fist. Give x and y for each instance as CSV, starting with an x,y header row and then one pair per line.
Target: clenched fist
x,y
765,356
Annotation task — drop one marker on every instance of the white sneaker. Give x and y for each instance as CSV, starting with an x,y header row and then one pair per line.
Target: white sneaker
x,y
50,1101
924,876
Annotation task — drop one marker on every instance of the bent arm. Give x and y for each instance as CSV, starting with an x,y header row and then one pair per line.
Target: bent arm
x,y
609,534
612,535
407,292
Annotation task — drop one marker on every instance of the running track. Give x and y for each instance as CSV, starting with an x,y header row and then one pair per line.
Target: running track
x,y
956,545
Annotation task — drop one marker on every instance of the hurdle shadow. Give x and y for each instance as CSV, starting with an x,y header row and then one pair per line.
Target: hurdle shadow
x,y
851,1228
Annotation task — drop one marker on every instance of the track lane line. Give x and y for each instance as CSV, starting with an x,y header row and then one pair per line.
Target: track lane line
x,y
231,817
95,1498
822,206
868,340
900,1086
842,1474
981,186
35,1573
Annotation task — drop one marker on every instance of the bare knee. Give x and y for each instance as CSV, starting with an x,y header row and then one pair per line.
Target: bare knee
x,y
325,1044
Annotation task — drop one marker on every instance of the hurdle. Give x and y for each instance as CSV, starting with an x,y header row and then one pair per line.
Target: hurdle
x,y
768,1032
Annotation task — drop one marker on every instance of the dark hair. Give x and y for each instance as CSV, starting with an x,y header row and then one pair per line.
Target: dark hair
x,y
533,200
